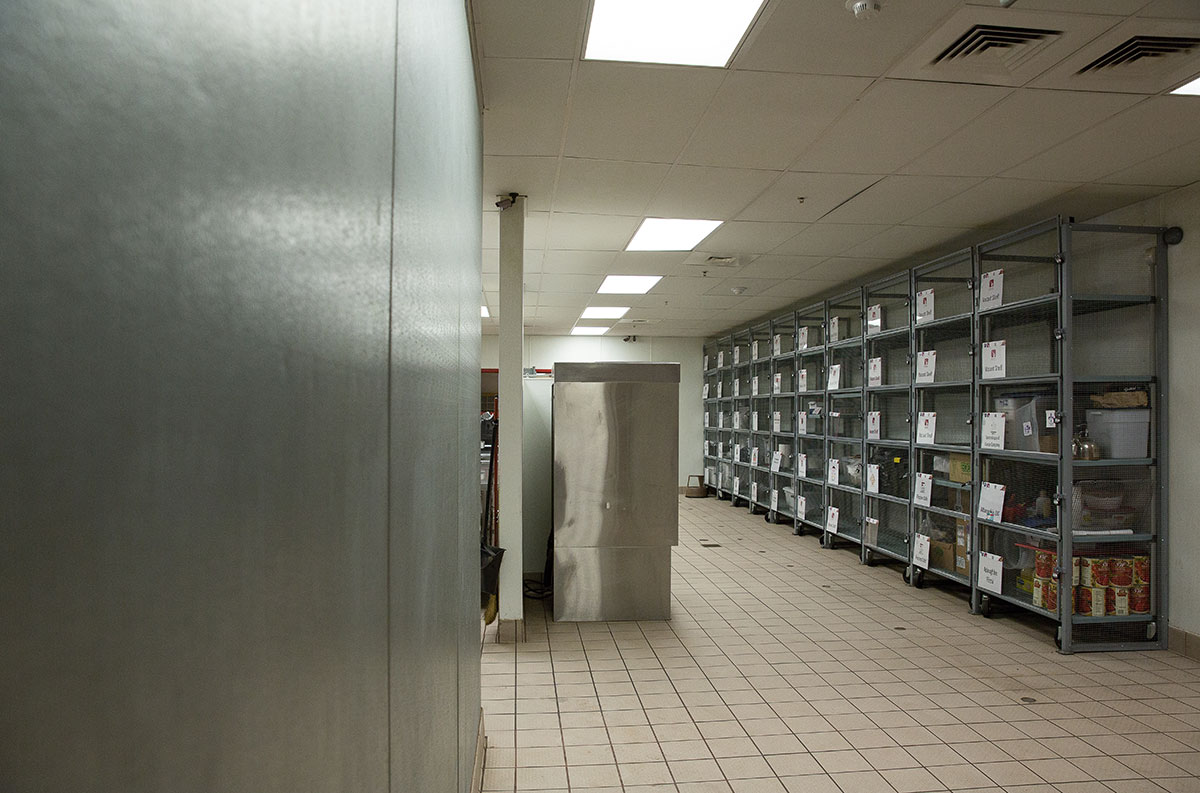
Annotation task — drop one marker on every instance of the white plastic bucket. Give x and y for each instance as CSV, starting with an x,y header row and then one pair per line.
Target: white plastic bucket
x,y
1120,433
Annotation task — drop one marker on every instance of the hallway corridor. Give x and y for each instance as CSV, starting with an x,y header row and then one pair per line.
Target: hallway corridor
x,y
791,668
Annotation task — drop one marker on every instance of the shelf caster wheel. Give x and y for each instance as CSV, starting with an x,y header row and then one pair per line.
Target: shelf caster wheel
x,y
985,606
826,540
1058,637
867,559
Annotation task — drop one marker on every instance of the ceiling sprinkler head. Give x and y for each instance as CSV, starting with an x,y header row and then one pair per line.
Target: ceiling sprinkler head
x,y
737,290
864,9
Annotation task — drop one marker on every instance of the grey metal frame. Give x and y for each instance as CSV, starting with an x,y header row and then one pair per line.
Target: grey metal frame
x,y
829,540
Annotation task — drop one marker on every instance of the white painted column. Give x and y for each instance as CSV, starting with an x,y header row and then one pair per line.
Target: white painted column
x,y
511,349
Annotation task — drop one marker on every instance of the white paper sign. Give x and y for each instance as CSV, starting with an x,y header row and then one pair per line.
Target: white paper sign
x,y
1027,428
737,355
706,418
754,456
991,501
921,551
706,362
704,391
754,421
776,461
802,423
874,319
875,371
737,485
835,377
1051,419
993,359
754,386
831,520
777,344
923,490
872,478
991,290
802,338
720,359
720,448
834,323
873,418
737,420
992,432
720,388
800,506
802,380
926,366
777,382
774,500
776,421
926,428
737,387
991,572
737,452
834,471
924,306
754,349
754,492
721,421
872,530
801,465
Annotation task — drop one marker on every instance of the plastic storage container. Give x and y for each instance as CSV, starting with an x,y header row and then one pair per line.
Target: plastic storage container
x,y
1120,433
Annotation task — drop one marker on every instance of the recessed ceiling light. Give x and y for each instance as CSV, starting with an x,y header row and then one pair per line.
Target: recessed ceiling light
x,y
685,32
483,312
628,284
670,234
580,330
604,312
1189,89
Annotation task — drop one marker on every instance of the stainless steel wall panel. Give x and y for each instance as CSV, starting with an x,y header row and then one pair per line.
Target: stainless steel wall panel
x,y
592,584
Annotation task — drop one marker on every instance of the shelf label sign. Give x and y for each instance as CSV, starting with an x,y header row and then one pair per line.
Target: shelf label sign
x,y
754,421
754,455
704,391
835,376
720,359
926,428
992,433
874,319
706,362
720,388
737,419
737,387
801,465
774,500
875,372
802,423
1051,419
720,448
926,366
754,349
777,344
921,551
754,492
737,452
872,478
993,359
924,306
923,490
833,474
991,501
754,386
873,418
737,355
776,461
831,520
991,572
802,338
737,485
834,322
721,420
800,506
776,421
777,382
802,380
706,418
991,290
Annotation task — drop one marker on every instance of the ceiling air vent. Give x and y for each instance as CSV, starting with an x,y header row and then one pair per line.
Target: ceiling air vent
x,y
1020,43
1140,47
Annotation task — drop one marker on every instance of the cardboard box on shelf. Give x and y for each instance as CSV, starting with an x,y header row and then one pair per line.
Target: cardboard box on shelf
x,y
960,468
941,556
962,547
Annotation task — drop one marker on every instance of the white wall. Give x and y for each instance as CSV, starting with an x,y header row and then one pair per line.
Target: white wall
x,y
542,352
1180,208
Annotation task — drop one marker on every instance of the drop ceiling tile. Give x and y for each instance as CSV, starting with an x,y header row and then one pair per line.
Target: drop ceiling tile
x,y
743,237
895,199
530,28
894,122
1027,123
525,104
1172,9
1174,168
590,232
646,262
1121,7
780,266
720,302
1092,200
990,202
788,111
535,230
1155,126
821,192
582,262
824,38
843,269
530,176
566,282
764,304
899,242
636,112
829,239
673,285
607,186
491,260
565,299
691,191
557,313
753,286
797,288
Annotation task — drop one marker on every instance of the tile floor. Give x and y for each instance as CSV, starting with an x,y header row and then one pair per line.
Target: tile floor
x,y
791,668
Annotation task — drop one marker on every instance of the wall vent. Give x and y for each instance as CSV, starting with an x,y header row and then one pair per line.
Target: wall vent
x,y
1138,47
1020,44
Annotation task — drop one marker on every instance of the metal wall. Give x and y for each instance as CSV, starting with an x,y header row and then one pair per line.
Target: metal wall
x,y
239,251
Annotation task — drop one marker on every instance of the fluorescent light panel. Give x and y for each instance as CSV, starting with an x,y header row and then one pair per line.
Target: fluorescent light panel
x,y
628,284
685,32
670,234
580,330
604,312
483,312
1189,89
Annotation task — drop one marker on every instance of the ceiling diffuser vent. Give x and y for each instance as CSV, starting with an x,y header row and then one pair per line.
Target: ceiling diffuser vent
x,y
1018,44
1140,47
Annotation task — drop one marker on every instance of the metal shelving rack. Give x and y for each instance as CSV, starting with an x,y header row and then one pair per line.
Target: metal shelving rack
x,y
741,437
782,410
710,393
809,462
844,370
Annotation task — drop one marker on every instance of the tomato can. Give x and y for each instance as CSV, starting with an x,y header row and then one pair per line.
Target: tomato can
x,y
1075,571
1120,571
1139,599
1093,572
1116,601
1141,570
1090,601
1044,563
